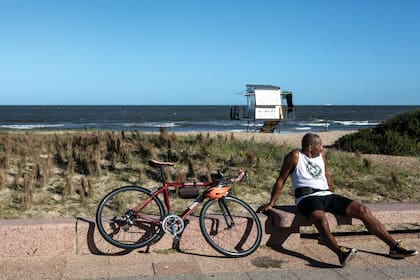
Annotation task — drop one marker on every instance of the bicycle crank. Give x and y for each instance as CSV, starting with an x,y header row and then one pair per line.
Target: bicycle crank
x,y
173,224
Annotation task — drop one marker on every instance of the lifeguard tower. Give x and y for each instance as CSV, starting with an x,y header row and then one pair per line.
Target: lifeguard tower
x,y
265,103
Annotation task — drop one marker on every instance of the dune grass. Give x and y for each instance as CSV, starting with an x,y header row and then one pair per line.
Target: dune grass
x,y
67,173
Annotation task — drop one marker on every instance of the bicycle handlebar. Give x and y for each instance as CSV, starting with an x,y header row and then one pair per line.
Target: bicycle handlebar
x,y
242,174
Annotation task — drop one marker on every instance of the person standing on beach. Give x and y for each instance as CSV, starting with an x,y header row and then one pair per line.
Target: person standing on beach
x,y
314,197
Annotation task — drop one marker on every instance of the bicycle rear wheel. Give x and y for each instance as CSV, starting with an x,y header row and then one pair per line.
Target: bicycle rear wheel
x,y
230,226
129,218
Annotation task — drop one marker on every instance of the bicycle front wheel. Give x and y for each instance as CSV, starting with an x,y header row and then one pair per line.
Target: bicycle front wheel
x,y
230,226
129,218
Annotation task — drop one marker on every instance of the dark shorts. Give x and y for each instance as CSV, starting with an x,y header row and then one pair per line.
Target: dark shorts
x,y
333,203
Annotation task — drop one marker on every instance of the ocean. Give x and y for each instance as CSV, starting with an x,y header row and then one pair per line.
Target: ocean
x,y
188,118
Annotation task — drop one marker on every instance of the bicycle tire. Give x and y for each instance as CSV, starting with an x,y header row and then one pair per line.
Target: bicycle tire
x,y
125,229
230,226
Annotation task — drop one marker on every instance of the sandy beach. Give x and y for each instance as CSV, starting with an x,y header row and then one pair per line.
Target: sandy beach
x,y
291,139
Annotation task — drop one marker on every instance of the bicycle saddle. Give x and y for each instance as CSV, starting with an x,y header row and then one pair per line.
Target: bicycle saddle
x,y
155,163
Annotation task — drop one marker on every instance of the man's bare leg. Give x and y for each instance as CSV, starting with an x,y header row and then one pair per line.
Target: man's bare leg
x,y
372,224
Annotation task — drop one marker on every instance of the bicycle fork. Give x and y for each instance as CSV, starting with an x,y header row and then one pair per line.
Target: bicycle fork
x,y
227,216
226,213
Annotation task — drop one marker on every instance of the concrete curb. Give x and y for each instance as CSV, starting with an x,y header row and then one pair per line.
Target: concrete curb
x,y
37,237
79,236
70,236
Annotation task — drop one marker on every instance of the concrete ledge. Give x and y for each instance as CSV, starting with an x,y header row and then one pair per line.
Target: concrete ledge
x,y
283,223
70,236
54,237
407,212
37,237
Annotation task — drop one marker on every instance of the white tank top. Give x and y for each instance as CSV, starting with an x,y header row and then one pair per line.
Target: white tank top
x,y
310,172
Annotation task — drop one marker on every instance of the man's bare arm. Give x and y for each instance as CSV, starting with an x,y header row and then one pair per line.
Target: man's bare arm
x,y
288,166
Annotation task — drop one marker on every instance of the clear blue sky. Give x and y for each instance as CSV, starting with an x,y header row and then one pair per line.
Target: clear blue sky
x,y
153,52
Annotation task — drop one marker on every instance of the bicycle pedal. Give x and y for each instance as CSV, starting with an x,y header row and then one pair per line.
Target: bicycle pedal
x,y
175,243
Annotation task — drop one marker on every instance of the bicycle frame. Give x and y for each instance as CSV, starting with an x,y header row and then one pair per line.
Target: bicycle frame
x,y
164,189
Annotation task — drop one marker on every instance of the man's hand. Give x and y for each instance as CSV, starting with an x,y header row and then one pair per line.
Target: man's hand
x,y
264,208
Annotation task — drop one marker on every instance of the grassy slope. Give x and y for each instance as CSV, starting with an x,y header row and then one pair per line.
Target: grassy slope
x,y
66,174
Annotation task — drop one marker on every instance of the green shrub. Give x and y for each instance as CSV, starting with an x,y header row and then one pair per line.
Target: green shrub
x,y
397,136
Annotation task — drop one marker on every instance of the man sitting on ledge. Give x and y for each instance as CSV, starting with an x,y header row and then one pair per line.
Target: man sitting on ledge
x,y
314,197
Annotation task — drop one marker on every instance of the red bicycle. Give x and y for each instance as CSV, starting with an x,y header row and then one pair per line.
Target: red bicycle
x,y
132,217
